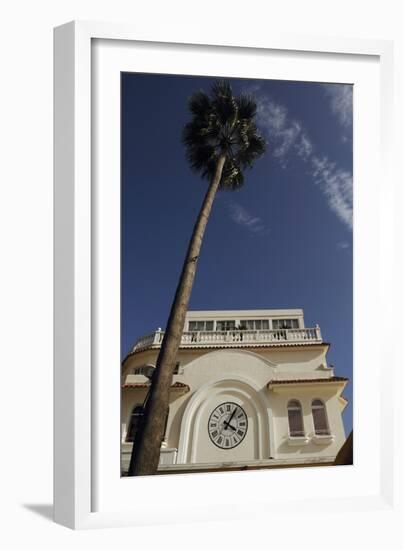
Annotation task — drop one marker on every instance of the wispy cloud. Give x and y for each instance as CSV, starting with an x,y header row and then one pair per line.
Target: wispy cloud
x,y
289,140
242,216
341,102
337,185
343,245
286,135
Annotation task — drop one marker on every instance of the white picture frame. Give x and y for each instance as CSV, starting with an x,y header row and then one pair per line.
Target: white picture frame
x,y
87,491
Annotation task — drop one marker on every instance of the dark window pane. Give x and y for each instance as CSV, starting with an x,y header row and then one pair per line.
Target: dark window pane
x,y
225,325
134,424
295,421
319,418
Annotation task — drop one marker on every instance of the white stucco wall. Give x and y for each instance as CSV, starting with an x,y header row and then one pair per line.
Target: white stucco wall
x,y
241,376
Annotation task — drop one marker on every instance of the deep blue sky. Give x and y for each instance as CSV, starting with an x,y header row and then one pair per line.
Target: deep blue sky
x,y
283,241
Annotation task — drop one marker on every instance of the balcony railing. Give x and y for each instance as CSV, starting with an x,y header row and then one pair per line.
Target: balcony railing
x,y
236,338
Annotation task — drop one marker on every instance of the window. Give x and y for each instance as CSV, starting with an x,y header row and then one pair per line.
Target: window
x,y
285,323
195,326
178,369
136,370
135,421
320,418
295,421
254,324
225,325
145,370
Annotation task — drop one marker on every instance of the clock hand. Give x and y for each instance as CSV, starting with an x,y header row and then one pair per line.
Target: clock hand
x,y
230,425
233,412
227,422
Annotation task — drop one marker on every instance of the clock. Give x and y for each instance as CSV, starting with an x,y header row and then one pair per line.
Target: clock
x,y
227,425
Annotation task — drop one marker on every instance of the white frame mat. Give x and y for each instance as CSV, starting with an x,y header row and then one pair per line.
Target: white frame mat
x,y
88,489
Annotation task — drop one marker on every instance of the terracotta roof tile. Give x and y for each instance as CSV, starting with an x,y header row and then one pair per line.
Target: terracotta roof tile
x,y
180,385
146,385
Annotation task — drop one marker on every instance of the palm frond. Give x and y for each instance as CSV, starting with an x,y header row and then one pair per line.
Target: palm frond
x,y
199,104
256,147
224,103
247,107
221,89
232,176
222,124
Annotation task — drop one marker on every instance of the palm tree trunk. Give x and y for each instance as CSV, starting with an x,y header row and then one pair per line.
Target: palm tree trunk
x,y
147,445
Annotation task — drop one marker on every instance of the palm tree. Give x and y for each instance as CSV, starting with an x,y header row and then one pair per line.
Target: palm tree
x,y
221,140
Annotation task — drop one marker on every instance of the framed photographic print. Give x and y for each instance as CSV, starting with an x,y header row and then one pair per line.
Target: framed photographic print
x,y
215,290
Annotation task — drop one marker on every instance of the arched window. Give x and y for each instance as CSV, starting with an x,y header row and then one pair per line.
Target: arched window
x,y
134,423
295,421
320,418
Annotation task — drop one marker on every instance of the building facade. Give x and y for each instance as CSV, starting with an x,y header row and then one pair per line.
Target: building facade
x,y
251,389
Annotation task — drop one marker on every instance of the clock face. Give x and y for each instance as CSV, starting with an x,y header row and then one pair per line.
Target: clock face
x,y
227,425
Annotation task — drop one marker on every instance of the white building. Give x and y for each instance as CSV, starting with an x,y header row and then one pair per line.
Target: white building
x,y
251,389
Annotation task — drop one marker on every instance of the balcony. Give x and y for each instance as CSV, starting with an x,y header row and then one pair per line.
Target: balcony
x,y
235,338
